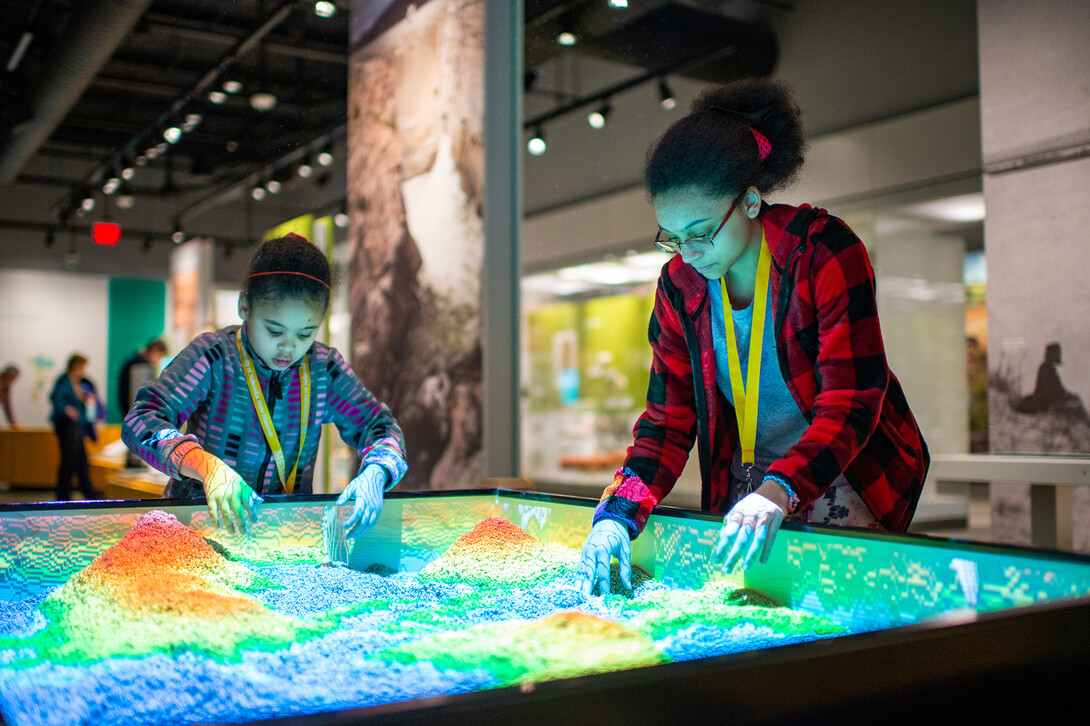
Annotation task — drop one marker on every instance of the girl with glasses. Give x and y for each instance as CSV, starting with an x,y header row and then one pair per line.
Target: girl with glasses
x,y
767,351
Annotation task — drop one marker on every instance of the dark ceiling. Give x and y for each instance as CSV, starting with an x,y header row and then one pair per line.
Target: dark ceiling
x,y
96,82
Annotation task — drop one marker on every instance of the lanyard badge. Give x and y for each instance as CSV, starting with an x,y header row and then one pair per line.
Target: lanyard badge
x,y
265,417
746,397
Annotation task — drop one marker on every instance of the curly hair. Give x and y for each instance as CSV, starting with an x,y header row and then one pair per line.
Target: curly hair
x,y
714,148
288,268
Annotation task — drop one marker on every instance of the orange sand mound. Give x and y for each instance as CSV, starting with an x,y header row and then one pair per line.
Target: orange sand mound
x,y
493,535
162,566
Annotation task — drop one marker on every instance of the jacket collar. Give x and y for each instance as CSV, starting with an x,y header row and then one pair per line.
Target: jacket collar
x,y
784,227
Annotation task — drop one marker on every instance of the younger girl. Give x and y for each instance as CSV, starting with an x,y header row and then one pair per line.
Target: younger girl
x,y
767,353
255,396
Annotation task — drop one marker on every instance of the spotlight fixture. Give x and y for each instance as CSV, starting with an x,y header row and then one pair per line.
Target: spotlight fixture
x,y
173,134
324,9
273,185
178,236
306,169
618,3
127,170
194,119
232,85
141,160
125,196
162,147
340,219
536,144
112,183
597,119
263,101
666,95
566,39
87,202
325,157
217,97
258,193
152,152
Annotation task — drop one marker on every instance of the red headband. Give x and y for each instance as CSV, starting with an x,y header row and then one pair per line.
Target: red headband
x,y
764,146
291,272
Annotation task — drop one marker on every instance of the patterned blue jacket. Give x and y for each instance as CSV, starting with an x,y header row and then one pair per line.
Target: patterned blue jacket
x,y
205,387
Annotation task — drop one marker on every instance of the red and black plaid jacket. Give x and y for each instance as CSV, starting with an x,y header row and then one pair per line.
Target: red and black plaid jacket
x,y
830,351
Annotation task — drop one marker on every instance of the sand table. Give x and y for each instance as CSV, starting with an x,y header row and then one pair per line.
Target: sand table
x,y
166,626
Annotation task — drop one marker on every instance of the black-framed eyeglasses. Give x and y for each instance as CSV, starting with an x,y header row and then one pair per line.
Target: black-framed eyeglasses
x,y
700,243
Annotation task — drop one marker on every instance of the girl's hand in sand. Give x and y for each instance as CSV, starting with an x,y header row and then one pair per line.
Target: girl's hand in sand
x,y
227,494
749,529
367,489
608,538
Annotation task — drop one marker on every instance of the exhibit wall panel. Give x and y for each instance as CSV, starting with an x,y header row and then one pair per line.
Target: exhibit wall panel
x,y
415,197
44,318
137,316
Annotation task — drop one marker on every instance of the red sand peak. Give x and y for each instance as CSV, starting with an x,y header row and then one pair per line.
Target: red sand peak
x,y
158,541
493,534
158,566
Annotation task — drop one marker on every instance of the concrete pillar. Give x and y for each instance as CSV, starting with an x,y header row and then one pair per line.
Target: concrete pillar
x,y
1035,124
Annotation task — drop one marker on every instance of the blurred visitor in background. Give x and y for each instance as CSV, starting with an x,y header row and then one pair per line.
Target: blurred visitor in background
x,y
70,421
7,379
138,369
977,360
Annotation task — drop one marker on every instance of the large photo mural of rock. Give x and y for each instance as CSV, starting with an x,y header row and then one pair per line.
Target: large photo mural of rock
x,y
415,168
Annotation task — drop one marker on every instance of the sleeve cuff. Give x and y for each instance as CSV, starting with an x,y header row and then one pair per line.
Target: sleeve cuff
x,y
387,455
628,500
174,458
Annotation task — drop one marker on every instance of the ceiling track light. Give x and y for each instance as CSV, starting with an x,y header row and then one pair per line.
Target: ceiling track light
x,y
536,144
324,9
325,156
597,119
306,168
666,95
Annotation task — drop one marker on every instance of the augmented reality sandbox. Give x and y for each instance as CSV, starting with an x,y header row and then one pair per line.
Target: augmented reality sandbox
x,y
466,604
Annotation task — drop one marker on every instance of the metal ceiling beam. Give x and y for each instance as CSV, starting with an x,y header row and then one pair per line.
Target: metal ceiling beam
x,y
215,34
97,28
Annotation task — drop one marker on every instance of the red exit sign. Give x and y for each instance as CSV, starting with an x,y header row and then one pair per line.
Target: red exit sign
x,y
106,233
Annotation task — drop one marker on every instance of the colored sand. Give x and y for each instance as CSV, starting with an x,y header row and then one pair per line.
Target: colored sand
x,y
496,553
161,588
166,627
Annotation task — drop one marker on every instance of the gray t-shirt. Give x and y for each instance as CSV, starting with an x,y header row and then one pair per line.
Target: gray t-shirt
x,y
780,423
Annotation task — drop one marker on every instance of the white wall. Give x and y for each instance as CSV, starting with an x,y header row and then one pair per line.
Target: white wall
x,y
44,318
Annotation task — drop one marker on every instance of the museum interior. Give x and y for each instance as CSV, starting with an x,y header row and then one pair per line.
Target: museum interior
x,y
148,147
473,172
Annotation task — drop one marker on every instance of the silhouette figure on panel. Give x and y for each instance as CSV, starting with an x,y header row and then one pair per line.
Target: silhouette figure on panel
x,y
1049,394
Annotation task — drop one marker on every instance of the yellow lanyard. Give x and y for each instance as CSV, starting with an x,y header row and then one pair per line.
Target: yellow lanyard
x,y
265,417
745,407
